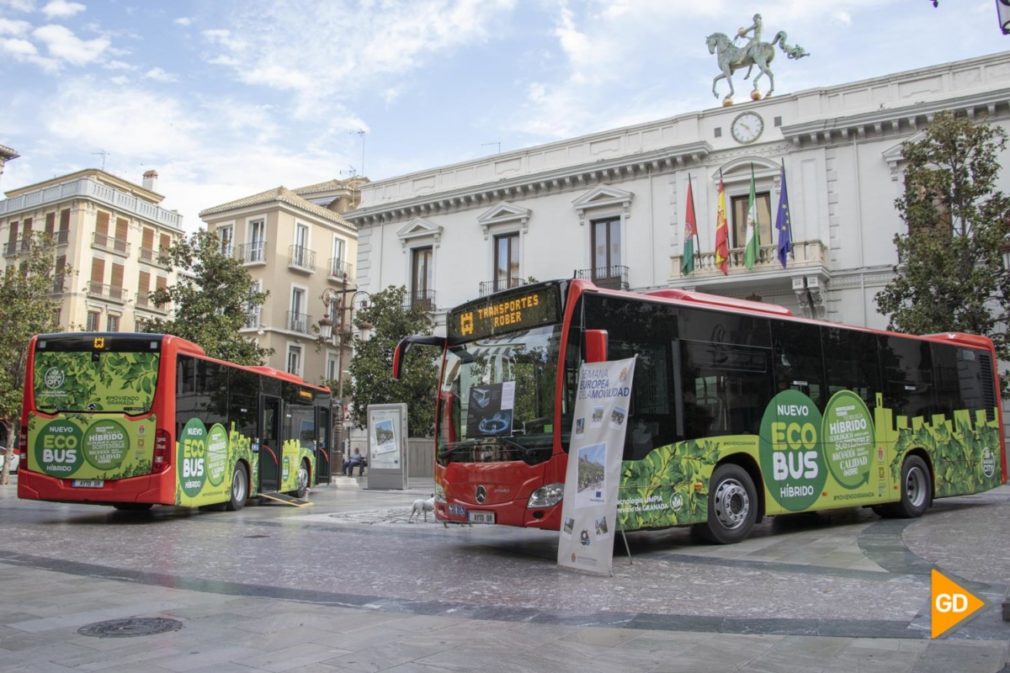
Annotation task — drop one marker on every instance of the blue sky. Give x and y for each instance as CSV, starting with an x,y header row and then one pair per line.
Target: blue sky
x,y
228,98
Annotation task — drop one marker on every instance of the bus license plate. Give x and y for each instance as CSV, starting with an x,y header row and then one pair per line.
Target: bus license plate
x,y
480,517
88,483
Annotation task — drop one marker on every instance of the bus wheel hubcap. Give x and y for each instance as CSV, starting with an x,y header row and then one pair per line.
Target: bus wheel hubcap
x,y
915,487
732,504
238,486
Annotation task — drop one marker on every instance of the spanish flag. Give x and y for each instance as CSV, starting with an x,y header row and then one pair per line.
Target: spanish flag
x,y
721,231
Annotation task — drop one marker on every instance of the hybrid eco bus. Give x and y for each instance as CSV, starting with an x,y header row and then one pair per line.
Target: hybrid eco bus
x,y
135,420
739,410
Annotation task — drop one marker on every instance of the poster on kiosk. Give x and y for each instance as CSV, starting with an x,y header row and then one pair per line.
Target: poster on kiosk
x,y
589,509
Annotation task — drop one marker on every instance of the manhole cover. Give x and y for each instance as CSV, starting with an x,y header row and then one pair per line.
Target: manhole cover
x,y
129,628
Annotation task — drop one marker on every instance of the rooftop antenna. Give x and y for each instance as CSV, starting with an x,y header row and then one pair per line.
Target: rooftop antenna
x,y
497,143
103,154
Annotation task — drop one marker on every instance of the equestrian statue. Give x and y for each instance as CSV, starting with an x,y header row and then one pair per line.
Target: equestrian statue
x,y
754,53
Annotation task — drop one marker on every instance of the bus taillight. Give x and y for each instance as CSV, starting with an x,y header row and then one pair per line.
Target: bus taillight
x,y
162,450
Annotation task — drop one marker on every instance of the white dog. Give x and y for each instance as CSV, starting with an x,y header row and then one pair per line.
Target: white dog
x,y
422,507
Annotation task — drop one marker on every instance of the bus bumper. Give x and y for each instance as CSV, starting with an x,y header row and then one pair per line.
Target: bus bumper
x,y
149,488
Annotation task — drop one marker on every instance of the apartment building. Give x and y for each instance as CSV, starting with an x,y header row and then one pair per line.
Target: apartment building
x,y
297,245
109,233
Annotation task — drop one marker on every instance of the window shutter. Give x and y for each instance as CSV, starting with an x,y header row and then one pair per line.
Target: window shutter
x,y
102,224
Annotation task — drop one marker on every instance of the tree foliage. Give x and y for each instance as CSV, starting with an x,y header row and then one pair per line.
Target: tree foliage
x,y
951,275
26,295
212,300
389,318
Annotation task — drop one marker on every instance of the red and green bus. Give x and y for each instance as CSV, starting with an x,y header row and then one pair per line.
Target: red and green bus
x,y
135,420
740,410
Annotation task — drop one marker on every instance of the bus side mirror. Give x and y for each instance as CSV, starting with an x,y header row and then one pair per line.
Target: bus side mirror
x,y
398,353
595,346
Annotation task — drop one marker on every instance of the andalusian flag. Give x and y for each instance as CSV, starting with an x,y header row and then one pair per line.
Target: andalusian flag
x,y
721,231
690,233
750,253
783,223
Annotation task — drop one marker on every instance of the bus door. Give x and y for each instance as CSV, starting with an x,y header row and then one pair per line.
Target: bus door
x,y
323,444
270,443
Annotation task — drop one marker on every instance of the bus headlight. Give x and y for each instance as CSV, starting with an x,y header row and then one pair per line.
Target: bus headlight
x,y
547,495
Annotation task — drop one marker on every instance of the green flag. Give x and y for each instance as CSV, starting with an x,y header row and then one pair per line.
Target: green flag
x,y
750,254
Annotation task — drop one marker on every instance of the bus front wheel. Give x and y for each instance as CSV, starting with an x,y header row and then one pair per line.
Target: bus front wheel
x,y
732,506
239,488
303,480
916,491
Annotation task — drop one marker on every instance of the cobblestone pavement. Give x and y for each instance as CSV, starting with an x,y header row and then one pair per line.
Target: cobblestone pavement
x,y
349,584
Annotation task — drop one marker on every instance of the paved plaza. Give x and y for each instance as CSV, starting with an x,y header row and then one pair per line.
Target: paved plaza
x,y
349,584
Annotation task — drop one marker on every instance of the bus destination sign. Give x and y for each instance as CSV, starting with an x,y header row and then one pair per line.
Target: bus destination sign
x,y
512,312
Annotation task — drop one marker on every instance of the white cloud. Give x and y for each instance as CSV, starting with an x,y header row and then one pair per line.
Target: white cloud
x,y
61,9
64,45
160,75
273,45
18,47
19,5
183,21
12,27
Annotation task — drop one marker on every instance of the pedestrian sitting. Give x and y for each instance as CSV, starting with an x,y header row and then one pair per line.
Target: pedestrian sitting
x,y
355,459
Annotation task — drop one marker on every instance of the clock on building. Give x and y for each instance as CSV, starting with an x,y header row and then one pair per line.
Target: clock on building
x,y
747,127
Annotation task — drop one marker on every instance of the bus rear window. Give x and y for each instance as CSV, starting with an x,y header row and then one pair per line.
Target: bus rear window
x,y
92,380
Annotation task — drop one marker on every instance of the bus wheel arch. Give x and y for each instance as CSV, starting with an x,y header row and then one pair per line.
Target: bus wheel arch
x,y
239,491
917,484
733,504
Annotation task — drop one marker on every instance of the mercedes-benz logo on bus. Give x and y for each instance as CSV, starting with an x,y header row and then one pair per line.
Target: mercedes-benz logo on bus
x,y
481,494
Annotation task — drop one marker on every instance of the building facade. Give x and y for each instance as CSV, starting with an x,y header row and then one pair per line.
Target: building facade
x,y
109,235
299,248
612,205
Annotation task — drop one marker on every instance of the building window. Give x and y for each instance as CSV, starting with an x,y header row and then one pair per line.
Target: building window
x,y
421,291
506,261
112,323
295,360
257,241
762,201
298,321
332,367
606,244
337,265
226,234
94,318
254,313
57,314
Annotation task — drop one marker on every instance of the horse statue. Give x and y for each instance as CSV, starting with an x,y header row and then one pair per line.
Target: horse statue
x,y
760,54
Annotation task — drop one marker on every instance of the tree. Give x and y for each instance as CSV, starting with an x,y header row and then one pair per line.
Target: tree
x,y
390,318
212,300
26,295
951,275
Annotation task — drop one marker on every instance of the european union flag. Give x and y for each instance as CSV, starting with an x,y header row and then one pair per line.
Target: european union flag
x,y
783,223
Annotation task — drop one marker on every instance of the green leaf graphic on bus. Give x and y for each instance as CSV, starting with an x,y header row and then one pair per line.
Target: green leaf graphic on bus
x,y
101,381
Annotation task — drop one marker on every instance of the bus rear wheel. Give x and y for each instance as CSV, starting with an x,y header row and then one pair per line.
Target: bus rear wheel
x,y
916,491
303,480
239,488
732,506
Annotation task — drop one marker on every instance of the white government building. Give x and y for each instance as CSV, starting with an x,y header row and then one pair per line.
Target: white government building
x,y
611,205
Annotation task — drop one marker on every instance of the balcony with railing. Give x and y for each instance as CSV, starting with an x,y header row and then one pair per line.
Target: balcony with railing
x,y
252,253
489,287
423,299
300,258
112,244
145,302
59,284
299,322
806,255
108,292
154,257
341,271
613,277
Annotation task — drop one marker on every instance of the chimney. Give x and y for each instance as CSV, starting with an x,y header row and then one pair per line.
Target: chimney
x,y
150,180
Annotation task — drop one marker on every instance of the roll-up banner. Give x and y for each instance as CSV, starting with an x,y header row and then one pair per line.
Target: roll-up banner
x,y
589,510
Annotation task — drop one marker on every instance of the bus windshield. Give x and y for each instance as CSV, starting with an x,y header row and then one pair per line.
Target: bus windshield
x,y
73,376
496,400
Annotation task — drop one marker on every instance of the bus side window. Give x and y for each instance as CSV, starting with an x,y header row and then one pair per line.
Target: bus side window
x,y
799,363
724,388
908,376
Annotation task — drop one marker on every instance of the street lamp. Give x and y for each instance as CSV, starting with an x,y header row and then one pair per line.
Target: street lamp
x,y
334,301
